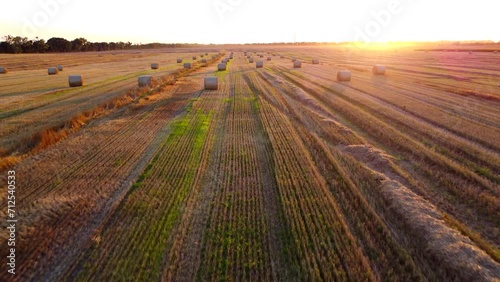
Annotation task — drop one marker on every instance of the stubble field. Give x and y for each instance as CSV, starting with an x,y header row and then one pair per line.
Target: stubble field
x,y
281,174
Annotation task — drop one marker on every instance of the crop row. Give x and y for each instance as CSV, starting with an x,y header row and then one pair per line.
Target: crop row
x,y
235,241
370,231
441,119
461,183
145,225
61,204
465,187
325,246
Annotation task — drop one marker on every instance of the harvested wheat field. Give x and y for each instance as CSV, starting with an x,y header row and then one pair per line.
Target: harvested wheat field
x,y
277,173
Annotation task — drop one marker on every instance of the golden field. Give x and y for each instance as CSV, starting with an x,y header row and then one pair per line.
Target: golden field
x,y
281,174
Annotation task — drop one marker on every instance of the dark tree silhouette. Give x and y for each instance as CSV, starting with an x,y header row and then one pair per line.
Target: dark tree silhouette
x,y
17,44
57,44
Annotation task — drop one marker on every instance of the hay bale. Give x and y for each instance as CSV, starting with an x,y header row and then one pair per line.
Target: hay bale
x,y
206,54
75,80
194,57
60,68
155,66
145,80
204,61
259,64
293,60
221,67
187,65
268,58
282,57
211,83
3,70
250,60
179,60
343,75
53,71
315,61
297,64
378,70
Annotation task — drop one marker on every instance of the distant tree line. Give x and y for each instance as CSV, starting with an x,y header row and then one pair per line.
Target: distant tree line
x,y
18,44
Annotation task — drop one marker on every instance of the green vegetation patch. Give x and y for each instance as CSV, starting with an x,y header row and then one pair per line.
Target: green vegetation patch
x,y
152,207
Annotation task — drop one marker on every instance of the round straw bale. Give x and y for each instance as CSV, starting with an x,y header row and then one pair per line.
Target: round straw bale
x,y
179,60
250,60
52,71
75,80
259,64
268,58
203,61
293,60
145,80
344,75
60,68
211,83
315,61
221,67
297,64
194,57
378,70
187,65
155,66
3,70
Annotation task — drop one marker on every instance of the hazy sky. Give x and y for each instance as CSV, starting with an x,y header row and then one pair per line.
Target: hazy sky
x,y
242,21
